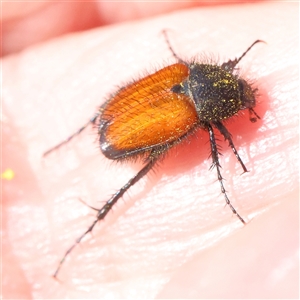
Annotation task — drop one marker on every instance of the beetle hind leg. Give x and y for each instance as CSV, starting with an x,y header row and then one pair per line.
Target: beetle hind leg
x,y
102,212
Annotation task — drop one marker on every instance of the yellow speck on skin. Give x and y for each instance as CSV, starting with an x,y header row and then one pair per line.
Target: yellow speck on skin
x,y
8,174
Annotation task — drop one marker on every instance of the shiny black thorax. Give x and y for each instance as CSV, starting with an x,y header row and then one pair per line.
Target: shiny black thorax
x,y
217,93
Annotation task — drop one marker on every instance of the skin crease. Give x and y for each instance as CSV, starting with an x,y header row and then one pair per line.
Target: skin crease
x,y
172,236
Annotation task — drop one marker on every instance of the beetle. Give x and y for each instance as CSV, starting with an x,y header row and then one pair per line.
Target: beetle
x,y
153,114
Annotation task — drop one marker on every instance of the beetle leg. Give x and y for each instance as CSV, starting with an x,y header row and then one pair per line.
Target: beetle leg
x,y
170,47
216,163
227,137
68,139
102,212
251,113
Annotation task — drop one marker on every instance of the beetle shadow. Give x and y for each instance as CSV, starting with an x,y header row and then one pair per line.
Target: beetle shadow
x,y
194,151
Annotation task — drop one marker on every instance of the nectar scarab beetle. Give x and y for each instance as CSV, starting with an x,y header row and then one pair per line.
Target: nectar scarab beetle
x,y
151,115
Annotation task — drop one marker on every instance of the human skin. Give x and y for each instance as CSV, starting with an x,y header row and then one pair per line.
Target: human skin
x,y
172,236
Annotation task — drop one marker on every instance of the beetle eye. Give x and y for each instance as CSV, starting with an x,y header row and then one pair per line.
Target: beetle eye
x,y
247,94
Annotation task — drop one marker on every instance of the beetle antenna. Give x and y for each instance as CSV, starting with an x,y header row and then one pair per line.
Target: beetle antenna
x,y
230,65
256,42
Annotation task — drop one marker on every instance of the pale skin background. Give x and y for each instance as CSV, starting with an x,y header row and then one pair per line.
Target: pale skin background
x,y
172,235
